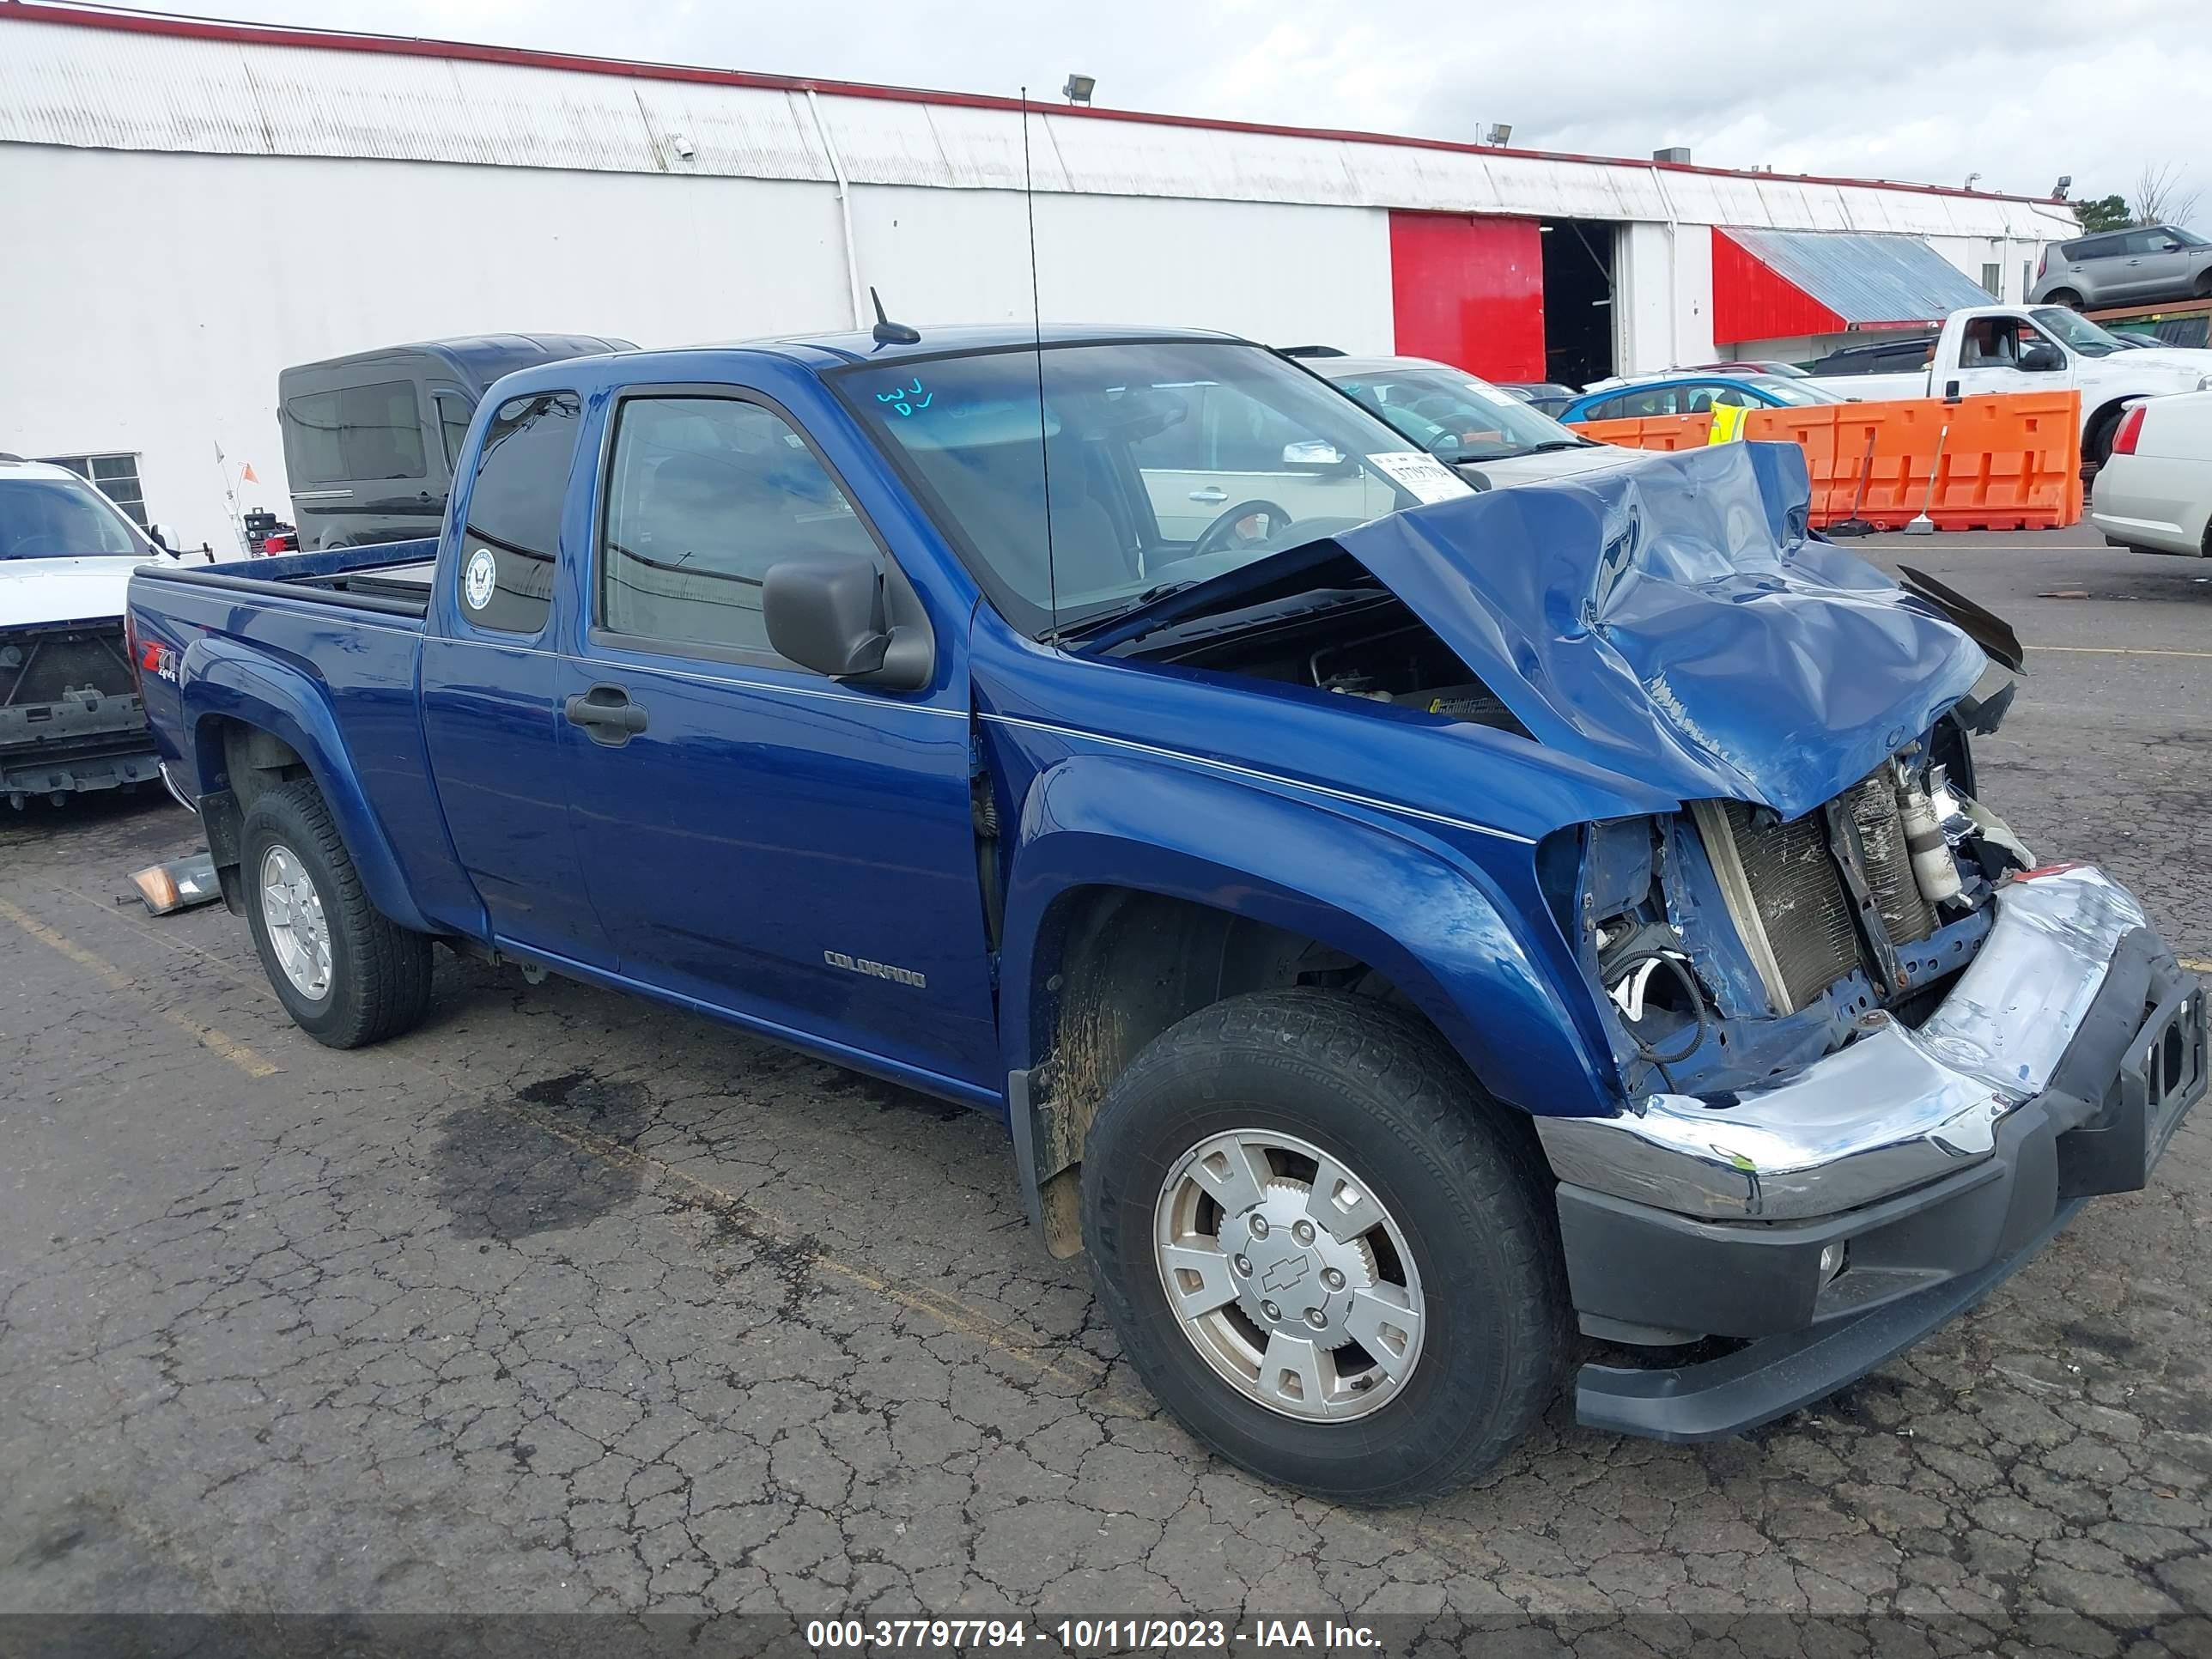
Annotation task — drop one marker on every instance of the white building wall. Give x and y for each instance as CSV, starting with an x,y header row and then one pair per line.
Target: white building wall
x,y
215,192
163,318
1275,272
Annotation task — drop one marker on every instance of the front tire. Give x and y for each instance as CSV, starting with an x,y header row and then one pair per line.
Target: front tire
x,y
1388,1354
347,974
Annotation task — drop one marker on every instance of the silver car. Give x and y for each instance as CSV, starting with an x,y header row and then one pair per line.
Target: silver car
x,y
2141,265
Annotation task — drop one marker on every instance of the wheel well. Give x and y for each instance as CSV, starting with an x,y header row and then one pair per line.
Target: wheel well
x,y
2100,426
244,762
1116,968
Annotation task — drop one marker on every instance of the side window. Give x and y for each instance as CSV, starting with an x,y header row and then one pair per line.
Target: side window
x,y
357,434
1613,409
1180,445
512,536
453,412
1249,435
310,422
705,495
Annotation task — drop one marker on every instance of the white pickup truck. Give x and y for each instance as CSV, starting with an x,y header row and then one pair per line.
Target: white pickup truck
x,y
2039,349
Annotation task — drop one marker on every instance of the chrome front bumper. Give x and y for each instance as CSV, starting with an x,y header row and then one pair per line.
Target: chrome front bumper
x,y
1894,1110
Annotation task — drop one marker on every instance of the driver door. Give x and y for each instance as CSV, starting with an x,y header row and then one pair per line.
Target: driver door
x,y
2156,266
1991,362
1231,449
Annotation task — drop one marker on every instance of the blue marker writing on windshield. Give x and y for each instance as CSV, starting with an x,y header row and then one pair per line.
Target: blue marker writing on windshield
x,y
906,398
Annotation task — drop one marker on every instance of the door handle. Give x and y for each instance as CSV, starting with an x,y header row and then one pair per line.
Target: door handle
x,y
607,713
1209,494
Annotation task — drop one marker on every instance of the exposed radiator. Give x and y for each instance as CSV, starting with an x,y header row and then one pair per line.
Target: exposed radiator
x,y
1800,928
1793,882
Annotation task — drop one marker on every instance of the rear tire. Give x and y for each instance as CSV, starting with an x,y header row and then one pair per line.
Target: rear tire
x,y
2063,296
346,974
2097,443
1457,1181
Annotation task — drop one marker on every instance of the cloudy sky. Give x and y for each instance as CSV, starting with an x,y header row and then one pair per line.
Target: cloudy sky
x,y
1917,89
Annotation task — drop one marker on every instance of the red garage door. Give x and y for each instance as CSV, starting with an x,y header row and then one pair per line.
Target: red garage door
x,y
1470,290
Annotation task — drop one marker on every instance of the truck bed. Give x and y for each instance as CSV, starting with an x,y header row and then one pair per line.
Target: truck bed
x,y
391,579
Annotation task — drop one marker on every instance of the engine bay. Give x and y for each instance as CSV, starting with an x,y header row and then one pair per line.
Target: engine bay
x,y
1360,643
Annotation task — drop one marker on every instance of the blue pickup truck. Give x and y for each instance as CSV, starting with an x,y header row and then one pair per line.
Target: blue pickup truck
x,y
1423,943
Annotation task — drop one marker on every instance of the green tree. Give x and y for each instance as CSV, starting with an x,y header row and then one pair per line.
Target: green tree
x,y
2104,213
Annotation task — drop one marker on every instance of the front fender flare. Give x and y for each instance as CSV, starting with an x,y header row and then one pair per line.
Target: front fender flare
x,y
222,681
1429,917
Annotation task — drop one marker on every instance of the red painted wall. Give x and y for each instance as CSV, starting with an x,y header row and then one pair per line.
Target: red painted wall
x,y
1752,303
1468,289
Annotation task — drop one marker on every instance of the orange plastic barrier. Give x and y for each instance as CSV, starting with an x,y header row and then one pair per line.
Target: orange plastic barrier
x,y
1651,431
2011,461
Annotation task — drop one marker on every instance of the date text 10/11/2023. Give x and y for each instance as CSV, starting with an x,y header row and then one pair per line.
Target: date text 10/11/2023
x,y
1087,1635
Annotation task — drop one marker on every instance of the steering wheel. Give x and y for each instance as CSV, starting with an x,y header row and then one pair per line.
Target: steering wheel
x,y
1217,536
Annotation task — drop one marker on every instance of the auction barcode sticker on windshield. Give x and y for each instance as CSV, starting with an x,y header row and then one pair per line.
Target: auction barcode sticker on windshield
x,y
1429,478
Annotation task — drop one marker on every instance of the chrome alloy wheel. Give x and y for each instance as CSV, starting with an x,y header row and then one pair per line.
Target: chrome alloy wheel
x,y
292,911
1288,1275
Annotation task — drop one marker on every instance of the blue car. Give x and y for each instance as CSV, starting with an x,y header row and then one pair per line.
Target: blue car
x,y
1408,932
1694,394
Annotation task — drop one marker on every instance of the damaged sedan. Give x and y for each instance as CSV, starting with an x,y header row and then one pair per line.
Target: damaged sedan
x,y
1425,946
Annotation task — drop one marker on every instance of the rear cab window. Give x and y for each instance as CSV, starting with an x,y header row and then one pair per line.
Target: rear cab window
x,y
511,541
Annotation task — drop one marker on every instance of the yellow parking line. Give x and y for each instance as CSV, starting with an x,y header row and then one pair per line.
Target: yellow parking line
x,y
945,1310
2196,964
115,980
2117,651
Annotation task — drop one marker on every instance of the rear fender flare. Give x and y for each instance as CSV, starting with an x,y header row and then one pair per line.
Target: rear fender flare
x,y
222,681
1426,916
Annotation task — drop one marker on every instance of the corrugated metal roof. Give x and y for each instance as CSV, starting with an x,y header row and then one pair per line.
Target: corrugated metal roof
x,y
132,82
1865,279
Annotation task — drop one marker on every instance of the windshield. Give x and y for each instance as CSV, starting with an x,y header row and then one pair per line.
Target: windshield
x,y
1791,391
1168,462
60,519
1455,416
2187,237
2077,330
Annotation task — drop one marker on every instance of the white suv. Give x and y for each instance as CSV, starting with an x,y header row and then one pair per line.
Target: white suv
x,y
70,719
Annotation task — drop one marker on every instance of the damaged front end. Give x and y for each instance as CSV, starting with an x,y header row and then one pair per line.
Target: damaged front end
x,y
1870,1058
71,720
1731,943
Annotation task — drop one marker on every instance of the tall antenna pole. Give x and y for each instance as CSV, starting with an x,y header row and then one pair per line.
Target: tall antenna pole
x,y
1037,333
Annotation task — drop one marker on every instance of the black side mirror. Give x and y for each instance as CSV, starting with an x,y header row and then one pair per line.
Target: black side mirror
x,y
154,535
828,613
2041,357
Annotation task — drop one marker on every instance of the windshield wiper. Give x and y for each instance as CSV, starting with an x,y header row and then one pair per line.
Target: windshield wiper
x,y
1113,613
1551,444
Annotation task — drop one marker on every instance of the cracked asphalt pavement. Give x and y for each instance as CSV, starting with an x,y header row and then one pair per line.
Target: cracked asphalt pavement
x,y
568,1302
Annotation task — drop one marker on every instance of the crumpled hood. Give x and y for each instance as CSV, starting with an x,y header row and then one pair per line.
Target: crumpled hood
x,y
1671,621
90,589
